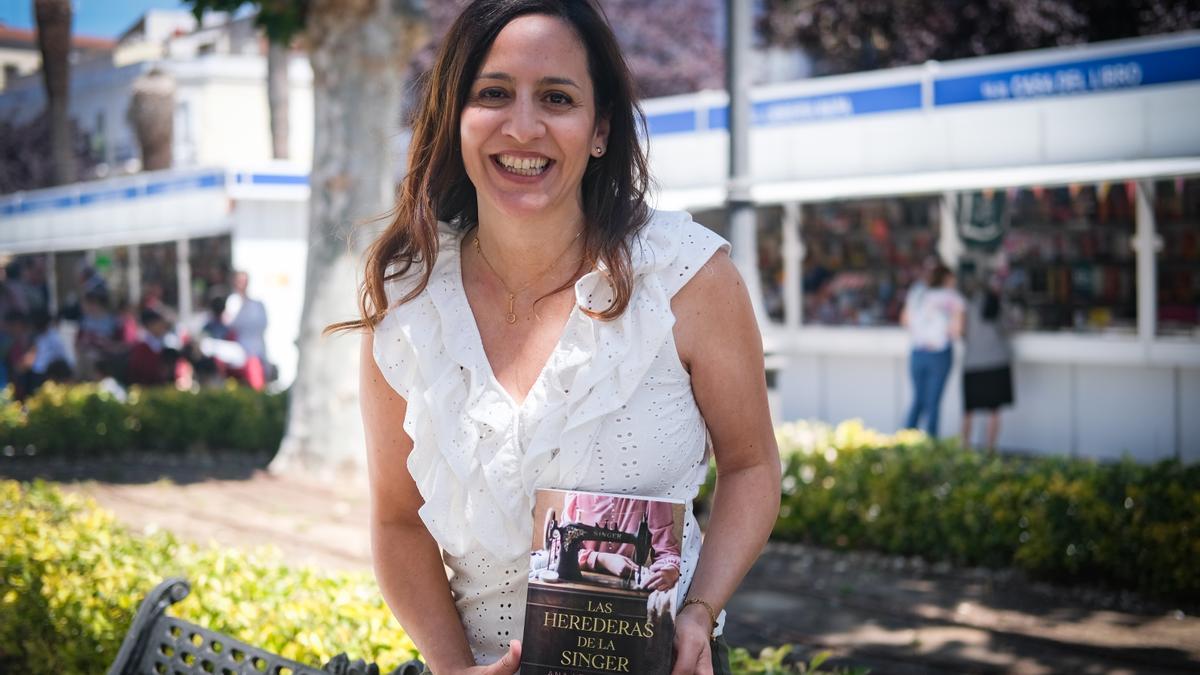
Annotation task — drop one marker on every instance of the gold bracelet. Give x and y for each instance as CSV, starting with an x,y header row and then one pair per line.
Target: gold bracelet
x,y
712,615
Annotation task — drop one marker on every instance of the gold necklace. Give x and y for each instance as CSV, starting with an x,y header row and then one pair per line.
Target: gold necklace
x,y
511,316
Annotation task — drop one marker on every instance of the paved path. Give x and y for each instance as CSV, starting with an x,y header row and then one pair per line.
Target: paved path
x,y
893,615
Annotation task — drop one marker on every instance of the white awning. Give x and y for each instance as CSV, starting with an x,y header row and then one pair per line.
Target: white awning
x,y
935,182
140,209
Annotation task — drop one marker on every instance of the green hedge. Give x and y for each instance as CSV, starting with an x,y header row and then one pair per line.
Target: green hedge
x,y
82,420
71,579
1128,525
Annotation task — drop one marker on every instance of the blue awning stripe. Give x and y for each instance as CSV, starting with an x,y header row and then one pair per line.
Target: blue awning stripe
x,y
1069,78
100,194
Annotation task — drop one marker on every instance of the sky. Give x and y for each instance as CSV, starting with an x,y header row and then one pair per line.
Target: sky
x,y
96,18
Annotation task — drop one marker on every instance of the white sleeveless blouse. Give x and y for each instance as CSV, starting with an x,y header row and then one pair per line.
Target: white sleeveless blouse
x,y
611,411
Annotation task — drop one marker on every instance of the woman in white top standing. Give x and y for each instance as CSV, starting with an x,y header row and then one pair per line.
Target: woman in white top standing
x,y
933,315
534,324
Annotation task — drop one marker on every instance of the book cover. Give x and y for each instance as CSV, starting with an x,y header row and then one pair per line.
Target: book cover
x,y
602,584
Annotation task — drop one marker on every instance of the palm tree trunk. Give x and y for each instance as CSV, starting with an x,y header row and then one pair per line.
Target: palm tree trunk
x,y
54,41
358,50
277,97
152,116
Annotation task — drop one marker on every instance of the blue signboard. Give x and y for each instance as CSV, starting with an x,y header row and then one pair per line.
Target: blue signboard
x,y
683,121
801,109
798,109
1165,66
270,179
1072,77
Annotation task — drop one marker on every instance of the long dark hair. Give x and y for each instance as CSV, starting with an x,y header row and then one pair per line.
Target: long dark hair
x,y
437,187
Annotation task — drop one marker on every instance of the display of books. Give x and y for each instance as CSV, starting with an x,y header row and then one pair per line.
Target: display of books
x,y
602,584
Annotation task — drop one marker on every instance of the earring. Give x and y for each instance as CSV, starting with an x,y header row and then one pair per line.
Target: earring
x,y
599,150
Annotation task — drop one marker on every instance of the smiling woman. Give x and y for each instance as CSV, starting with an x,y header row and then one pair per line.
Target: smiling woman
x,y
535,325
531,126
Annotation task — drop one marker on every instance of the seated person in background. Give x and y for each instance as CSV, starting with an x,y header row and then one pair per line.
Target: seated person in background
x,y
223,353
19,340
48,349
127,325
59,371
98,333
152,359
216,327
108,383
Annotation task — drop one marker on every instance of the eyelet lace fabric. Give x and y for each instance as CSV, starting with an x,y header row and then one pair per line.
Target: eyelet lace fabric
x,y
611,411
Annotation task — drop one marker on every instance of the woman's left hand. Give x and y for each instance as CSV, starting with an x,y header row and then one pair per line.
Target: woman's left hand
x,y
693,656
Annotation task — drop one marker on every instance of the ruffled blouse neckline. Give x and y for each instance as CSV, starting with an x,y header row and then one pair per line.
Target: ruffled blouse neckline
x,y
478,453
454,298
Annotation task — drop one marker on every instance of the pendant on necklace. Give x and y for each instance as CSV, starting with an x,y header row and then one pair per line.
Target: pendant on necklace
x,y
511,317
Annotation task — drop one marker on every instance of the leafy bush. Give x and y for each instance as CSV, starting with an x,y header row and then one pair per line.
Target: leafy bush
x,y
71,579
773,661
82,420
1123,524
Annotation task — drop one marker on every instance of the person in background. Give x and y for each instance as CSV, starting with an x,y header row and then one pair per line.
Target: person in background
x,y
88,282
6,342
933,315
214,350
247,318
108,383
49,357
987,363
91,282
27,281
16,344
216,327
9,297
127,324
60,372
153,295
97,336
152,359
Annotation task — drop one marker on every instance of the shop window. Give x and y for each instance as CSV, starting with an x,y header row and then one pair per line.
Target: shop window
x,y
159,283
716,220
1177,220
68,272
770,260
211,260
861,256
1071,266
770,251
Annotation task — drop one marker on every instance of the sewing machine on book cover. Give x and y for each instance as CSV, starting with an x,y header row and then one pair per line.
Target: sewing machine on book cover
x,y
566,540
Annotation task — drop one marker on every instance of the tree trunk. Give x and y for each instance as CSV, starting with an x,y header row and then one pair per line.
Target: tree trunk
x,y
277,96
152,116
54,41
358,50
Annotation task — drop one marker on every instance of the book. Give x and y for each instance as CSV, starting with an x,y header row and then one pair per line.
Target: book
x,y
604,571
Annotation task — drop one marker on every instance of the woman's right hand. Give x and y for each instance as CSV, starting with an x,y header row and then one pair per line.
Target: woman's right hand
x,y
509,664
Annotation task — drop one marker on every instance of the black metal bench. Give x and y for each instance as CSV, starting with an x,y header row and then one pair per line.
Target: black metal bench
x,y
158,644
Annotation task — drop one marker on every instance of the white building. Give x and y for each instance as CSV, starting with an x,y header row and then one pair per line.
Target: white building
x,y
221,112
1076,168
20,56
